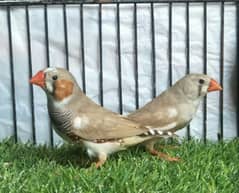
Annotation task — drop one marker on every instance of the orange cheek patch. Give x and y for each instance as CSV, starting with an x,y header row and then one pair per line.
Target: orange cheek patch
x,y
62,89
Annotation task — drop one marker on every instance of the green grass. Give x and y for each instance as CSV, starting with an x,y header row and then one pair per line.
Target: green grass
x,y
209,168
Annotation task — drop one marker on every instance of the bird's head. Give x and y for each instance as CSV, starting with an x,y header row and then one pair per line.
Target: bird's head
x,y
56,82
196,86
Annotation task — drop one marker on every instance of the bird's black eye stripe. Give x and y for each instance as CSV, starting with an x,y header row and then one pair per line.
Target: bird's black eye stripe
x,y
54,77
201,81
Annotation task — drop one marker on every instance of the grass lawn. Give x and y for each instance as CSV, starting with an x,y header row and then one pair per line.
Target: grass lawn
x,y
210,168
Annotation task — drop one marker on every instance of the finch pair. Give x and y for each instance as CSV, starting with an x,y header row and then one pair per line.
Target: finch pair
x,y
76,118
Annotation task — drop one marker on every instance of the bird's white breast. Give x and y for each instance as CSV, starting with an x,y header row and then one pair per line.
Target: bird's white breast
x,y
94,149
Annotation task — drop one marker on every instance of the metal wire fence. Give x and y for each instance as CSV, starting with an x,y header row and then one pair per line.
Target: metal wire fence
x,y
187,3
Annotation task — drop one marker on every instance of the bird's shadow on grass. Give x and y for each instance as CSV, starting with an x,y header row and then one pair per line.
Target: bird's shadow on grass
x,y
66,154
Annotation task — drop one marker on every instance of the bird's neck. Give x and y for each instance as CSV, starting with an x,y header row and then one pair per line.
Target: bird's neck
x,y
58,104
62,103
196,102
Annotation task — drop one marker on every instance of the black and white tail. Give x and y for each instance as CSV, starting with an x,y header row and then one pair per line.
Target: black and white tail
x,y
155,132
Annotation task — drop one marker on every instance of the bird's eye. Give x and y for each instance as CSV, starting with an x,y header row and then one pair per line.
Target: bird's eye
x,y
201,81
54,77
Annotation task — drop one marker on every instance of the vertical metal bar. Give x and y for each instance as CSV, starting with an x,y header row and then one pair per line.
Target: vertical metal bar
x,y
220,134
187,54
30,74
136,58
100,50
119,59
46,35
12,74
48,60
205,68
153,51
82,47
66,36
237,37
170,44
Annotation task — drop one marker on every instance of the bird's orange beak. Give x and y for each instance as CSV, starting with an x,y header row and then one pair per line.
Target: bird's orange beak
x,y
38,79
214,86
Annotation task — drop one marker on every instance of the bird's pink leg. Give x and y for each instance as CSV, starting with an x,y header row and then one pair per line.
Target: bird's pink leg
x,y
163,155
150,148
101,160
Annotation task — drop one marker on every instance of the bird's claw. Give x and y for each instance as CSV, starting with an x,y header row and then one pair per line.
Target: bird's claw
x,y
164,156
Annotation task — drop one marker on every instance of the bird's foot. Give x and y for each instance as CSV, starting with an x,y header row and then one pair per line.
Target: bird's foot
x,y
164,156
98,164
101,160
